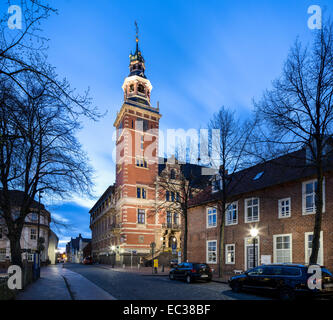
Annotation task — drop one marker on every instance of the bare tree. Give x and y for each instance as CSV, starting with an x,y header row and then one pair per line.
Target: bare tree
x,y
231,153
298,112
38,152
177,184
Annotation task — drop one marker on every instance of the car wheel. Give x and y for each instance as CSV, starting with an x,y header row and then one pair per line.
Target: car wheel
x,y
188,279
286,294
236,287
171,276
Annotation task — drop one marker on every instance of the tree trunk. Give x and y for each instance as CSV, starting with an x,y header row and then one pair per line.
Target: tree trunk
x,y
318,217
15,250
221,245
185,238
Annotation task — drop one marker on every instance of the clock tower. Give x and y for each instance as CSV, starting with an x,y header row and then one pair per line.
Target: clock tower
x,y
137,125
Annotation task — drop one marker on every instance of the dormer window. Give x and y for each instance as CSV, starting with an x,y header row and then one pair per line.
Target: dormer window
x,y
258,175
216,184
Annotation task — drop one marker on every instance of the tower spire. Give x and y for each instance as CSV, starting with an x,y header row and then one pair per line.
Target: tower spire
x,y
137,37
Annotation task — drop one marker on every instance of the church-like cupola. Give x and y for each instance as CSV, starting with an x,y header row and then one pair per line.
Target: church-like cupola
x,y
136,86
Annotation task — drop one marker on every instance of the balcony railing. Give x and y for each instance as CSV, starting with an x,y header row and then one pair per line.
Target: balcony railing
x,y
174,226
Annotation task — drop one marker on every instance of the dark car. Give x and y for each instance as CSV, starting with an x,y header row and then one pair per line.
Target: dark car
x,y
191,271
87,260
173,263
285,280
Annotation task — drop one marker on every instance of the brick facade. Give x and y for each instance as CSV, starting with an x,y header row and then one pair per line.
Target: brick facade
x,y
269,225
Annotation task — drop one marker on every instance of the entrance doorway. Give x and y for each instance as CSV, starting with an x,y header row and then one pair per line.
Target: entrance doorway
x,y
250,251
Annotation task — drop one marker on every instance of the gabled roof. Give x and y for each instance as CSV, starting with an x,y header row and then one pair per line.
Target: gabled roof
x,y
16,199
287,168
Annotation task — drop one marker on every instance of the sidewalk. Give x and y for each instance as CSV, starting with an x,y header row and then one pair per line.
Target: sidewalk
x,y
58,283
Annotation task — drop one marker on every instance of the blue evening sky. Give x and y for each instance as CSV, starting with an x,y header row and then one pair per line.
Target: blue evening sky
x,y
199,56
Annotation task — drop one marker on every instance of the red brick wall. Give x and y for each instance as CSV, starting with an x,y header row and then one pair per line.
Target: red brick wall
x,y
268,226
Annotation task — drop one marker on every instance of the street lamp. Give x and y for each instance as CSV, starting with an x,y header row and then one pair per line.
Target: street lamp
x,y
254,232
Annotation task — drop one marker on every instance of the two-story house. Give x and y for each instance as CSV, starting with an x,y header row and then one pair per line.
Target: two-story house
x,y
277,200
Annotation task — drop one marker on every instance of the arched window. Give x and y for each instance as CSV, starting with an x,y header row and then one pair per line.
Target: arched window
x,y
131,88
172,174
141,88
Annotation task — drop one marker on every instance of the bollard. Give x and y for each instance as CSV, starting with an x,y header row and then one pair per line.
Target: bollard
x,y
138,266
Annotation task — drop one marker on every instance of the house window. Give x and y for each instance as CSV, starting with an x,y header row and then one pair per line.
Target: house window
x,y
172,196
282,248
176,219
211,251
33,234
169,219
284,208
2,254
177,197
142,142
211,217
167,196
142,163
34,216
141,239
141,216
141,193
252,210
309,189
230,254
216,184
308,248
232,214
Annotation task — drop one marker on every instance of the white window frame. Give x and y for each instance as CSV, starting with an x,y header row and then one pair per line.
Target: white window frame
x,y
226,216
280,208
227,251
304,211
321,249
215,179
207,217
274,246
246,207
211,262
33,234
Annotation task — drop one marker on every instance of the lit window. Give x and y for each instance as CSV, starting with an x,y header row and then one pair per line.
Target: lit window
x,y
230,254
282,249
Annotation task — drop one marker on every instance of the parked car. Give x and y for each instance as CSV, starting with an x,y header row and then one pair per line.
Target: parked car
x,y
191,271
286,280
173,263
87,260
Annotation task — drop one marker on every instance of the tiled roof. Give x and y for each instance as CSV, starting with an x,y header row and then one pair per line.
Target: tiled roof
x,y
287,168
16,199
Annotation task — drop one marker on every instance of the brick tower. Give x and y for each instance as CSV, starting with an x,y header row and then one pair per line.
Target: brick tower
x,y
137,125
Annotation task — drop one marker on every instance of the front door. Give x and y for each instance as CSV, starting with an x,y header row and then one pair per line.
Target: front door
x,y
250,250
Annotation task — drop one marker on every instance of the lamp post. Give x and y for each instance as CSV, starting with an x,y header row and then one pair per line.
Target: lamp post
x,y
254,232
